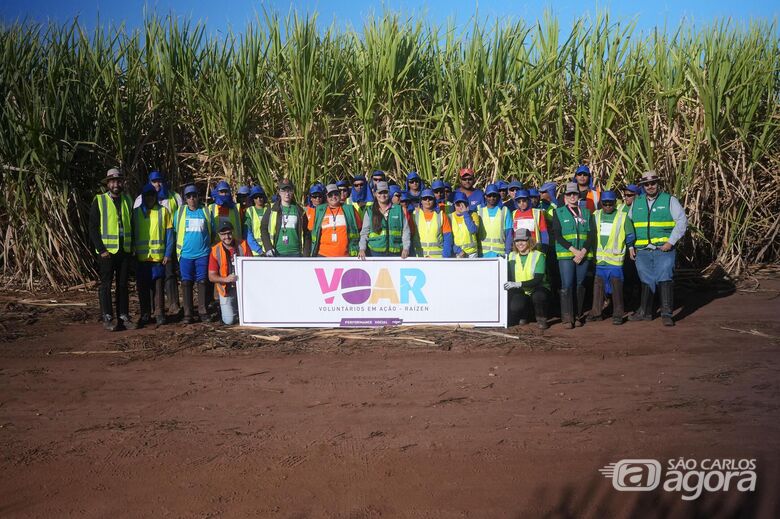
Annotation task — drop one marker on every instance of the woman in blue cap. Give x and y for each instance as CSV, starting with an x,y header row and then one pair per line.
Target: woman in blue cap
x,y
343,186
254,218
512,188
224,208
414,186
193,245
492,223
589,197
434,232
465,226
527,281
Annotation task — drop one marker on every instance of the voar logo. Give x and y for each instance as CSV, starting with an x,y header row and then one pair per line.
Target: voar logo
x,y
356,286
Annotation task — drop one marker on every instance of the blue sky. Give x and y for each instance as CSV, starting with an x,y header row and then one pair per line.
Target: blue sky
x,y
235,13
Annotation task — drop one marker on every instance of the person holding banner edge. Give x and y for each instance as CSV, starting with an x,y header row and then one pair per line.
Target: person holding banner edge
x,y
527,281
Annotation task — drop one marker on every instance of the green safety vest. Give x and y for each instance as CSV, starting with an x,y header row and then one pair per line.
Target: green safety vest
x,y
574,232
613,251
389,239
109,223
430,239
233,216
653,226
149,231
181,224
524,267
353,234
491,230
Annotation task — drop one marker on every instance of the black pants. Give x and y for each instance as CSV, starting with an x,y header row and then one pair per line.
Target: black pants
x,y
520,304
117,268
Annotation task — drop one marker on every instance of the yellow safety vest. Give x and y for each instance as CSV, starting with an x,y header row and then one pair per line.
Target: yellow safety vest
x,y
461,236
524,269
233,216
615,249
149,231
491,230
253,219
429,234
109,223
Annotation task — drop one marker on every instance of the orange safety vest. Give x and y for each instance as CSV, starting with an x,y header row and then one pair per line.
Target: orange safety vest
x,y
223,264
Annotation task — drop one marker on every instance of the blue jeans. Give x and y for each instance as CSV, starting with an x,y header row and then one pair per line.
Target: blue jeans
x,y
572,274
229,307
655,266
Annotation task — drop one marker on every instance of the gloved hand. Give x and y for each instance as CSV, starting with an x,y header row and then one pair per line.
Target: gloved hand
x,y
271,253
509,285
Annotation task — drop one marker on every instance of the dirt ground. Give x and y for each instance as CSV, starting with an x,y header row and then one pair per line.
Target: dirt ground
x,y
209,421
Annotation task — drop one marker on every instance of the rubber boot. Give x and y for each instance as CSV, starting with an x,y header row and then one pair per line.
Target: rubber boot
x,y
540,312
645,310
667,302
578,319
159,301
186,287
598,299
567,318
618,310
203,312
172,291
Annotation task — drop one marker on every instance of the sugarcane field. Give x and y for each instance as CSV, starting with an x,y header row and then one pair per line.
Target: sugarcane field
x,y
388,264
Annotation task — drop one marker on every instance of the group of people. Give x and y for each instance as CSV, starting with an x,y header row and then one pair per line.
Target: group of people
x,y
550,243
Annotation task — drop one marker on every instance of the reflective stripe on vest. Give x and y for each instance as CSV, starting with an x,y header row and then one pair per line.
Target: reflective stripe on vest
x,y
149,233
613,252
462,237
525,271
389,239
254,217
223,266
537,214
109,223
234,218
491,230
653,226
429,234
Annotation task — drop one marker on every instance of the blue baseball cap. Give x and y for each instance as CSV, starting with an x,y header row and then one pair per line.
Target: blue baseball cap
x,y
405,196
437,184
633,188
317,188
460,196
222,185
522,193
533,192
608,196
393,190
256,191
491,189
243,190
342,183
190,189
501,185
582,169
378,173
156,175
412,175
515,184
427,193
447,185
359,177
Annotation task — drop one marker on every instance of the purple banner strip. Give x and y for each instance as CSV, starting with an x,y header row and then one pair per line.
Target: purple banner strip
x,y
356,322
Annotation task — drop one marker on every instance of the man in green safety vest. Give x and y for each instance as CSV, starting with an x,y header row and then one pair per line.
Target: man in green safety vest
x,y
660,222
110,231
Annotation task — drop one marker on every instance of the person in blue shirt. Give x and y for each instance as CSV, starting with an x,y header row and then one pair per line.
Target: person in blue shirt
x,y
535,197
512,188
475,196
503,192
193,245
414,186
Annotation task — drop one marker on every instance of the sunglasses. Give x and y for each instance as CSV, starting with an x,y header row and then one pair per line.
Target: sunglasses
x,y
358,184
226,233
223,191
468,177
286,190
415,180
651,183
571,194
629,195
427,198
344,189
382,192
191,195
607,203
582,174
512,189
334,194
492,194
317,195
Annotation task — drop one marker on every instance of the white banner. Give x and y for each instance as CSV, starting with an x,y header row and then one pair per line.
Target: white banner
x,y
325,292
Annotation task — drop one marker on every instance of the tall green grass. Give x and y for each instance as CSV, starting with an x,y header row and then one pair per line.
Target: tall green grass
x,y
283,98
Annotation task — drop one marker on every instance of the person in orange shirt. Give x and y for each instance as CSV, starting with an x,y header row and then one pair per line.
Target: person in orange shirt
x,y
316,198
335,227
434,231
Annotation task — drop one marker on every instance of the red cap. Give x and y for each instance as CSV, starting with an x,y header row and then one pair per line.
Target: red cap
x,y
466,171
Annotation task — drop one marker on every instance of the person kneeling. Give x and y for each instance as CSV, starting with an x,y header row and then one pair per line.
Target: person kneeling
x,y
527,281
222,270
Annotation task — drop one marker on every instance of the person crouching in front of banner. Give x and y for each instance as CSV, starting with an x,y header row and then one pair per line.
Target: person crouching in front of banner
x,y
527,281
434,232
153,243
193,244
285,228
336,228
492,218
464,228
614,231
385,231
222,271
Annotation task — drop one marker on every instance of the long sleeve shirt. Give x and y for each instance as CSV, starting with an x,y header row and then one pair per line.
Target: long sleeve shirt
x,y
406,237
678,215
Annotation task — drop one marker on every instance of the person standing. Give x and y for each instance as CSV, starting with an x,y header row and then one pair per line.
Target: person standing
x,y
224,208
414,186
527,281
110,231
385,231
343,186
439,191
574,231
589,197
153,244
254,219
285,228
360,197
336,228
193,244
660,222
629,195
222,271
464,228
242,194
492,224
434,232
614,232
475,196
527,217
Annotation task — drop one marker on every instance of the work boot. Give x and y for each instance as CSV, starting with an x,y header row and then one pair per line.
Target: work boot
x,y
159,301
598,299
203,312
186,287
567,319
172,291
109,323
578,319
645,310
540,311
541,322
667,302
617,301
127,322
144,320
